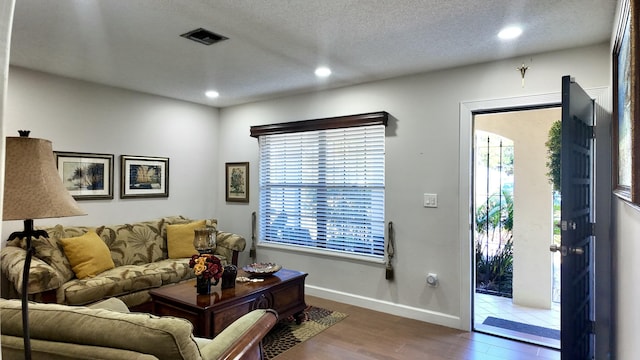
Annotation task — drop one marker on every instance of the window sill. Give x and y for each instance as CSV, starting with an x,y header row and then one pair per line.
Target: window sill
x,y
320,252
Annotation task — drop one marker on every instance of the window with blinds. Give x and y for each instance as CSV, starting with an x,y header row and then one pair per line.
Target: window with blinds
x,y
324,188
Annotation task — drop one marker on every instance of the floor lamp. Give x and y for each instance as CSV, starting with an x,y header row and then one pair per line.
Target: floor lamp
x,y
32,190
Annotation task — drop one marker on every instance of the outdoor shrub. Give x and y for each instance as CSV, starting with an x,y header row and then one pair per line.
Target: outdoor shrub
x,y
494,273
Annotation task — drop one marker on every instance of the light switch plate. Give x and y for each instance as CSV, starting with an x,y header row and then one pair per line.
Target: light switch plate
x,y
431,200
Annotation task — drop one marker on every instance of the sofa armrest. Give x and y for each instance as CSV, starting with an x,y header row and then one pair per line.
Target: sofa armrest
x,y
243,338
229,245
231,241
42,277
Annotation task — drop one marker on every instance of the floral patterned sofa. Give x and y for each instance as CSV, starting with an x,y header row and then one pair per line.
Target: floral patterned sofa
x,y
139,253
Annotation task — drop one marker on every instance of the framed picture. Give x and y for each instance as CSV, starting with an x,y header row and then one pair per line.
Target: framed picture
x,y
144,177
626,124
87,176
237,182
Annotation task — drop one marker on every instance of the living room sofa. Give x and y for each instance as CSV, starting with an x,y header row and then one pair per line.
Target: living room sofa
x,y
107,330
138,258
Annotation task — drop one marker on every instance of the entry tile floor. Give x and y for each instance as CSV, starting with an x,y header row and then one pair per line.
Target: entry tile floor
x,y
503,308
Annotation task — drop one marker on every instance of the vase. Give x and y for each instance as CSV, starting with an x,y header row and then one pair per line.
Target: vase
x,y
203,286
229,276
204,240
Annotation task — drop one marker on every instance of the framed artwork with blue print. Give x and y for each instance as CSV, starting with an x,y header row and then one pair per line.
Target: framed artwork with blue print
x,y
144,176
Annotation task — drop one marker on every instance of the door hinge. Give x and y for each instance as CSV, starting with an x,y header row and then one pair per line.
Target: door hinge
x,y
591,327
593,132
593,229
567,225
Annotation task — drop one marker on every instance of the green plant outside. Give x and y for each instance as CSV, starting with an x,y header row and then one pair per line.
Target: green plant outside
x,y
554,150
498,217
494,273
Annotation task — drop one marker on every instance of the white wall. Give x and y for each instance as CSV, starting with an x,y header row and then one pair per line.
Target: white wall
x,y
6,20
627,248
84,117
422,155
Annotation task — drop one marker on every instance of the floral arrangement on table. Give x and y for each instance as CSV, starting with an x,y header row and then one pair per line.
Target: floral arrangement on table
x,y
206,266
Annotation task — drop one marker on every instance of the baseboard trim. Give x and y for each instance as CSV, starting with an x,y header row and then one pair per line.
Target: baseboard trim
x,y
410,312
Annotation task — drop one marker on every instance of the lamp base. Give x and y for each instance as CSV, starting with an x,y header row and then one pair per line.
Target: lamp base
x,y
27,234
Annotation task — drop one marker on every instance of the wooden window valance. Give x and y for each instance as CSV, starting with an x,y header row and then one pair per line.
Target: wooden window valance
x,y
338,122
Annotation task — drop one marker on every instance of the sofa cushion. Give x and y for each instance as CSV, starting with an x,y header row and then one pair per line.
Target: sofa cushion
x,y
130,244
137,243
42,277
49,250
13,349
164,337
180,239
114,282
171,270
179,219
87,254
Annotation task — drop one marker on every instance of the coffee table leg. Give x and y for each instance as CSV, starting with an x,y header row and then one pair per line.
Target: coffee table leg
x,y
299,316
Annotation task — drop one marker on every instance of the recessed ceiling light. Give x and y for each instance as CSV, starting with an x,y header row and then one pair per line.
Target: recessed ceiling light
x,y
211,94
510,32
323,71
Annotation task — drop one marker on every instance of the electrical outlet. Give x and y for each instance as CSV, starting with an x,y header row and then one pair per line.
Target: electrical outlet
x,y
432,279
430,200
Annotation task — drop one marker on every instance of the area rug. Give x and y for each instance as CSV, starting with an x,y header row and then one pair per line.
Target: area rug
x,y
523,328
286,333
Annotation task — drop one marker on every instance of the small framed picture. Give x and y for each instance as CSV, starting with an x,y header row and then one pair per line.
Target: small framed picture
x,y
87,176
144,176
237,182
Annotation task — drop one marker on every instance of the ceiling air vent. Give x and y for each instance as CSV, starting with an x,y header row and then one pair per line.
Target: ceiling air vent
x,y
204,36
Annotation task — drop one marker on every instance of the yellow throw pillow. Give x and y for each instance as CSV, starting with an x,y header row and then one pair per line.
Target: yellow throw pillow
x,y
180,239
87,254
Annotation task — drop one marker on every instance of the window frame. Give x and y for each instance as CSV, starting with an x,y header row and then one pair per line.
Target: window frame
x,y
339,122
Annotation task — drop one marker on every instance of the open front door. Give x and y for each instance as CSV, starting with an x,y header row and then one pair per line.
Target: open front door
x,y
577,222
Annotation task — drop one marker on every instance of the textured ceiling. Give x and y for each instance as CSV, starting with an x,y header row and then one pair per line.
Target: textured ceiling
x,y
274,46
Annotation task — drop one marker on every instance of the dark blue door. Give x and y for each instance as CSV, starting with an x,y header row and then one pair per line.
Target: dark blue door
x,y
577,222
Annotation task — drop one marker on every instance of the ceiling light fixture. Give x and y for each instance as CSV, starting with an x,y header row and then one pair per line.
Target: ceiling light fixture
x,y
212,94
510,32
323,72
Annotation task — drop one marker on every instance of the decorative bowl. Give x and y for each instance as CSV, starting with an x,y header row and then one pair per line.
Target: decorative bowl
x,y
261,269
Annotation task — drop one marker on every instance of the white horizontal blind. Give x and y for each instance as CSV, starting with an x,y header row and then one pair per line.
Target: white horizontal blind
x,y
324,189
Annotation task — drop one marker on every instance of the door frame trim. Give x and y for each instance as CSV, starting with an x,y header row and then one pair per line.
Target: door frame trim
x,y
602,97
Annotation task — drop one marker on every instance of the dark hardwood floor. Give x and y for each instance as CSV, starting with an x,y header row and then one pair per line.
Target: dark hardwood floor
x,y
367,334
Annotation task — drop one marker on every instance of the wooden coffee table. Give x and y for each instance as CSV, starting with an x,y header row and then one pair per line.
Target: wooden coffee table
x,y
210,314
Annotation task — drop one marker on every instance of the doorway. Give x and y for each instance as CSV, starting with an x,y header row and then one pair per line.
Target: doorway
x,y
515,213
602,176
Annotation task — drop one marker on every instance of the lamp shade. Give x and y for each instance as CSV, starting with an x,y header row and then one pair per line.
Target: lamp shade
x,y
33,189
